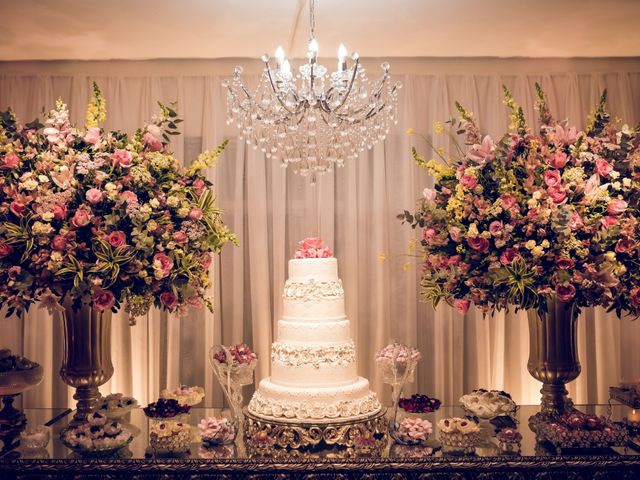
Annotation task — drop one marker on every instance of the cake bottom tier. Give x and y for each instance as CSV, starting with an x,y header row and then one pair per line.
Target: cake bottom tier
x,y
314,404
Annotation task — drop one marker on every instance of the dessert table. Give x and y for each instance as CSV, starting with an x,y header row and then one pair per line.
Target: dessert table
x,y
536,461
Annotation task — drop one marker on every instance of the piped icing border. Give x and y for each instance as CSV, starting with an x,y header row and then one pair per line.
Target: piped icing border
x,y
317,356
313,290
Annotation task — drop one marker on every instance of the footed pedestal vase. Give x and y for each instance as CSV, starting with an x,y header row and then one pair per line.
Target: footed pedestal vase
x,y
86,361
553,353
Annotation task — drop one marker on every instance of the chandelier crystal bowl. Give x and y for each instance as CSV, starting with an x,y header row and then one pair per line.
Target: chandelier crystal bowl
x,y
311,118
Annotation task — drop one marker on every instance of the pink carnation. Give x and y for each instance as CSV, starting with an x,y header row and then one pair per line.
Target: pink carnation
x,y
478,243
18,208
617,206
92,136
565,292
122,158
169,299
59,242
103,300
59,211
10,161
129,197
162,264
559,160
469,181
462,306
94,195
152,143
312,247
117,238
603,167
5,250
495,228
180,237
508,256
195,214
198,186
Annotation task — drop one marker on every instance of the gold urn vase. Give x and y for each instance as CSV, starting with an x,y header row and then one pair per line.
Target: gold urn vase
x,y
86,361
553,353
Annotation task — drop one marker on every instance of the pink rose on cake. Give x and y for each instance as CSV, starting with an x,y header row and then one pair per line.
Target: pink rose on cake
x,y
312,247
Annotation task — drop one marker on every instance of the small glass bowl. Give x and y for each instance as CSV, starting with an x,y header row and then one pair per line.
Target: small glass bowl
x,y
34,438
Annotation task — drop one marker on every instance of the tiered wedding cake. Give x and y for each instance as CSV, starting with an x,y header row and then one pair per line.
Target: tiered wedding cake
x,y
313,363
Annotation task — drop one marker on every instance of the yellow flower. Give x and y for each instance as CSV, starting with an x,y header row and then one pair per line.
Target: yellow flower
x,y
382,257
406,266
437,127
412,244
410,131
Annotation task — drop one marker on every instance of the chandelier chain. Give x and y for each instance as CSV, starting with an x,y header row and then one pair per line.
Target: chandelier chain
x,y
312,18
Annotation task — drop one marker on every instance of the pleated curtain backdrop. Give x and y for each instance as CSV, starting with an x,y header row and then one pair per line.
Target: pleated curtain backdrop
x,y
354,210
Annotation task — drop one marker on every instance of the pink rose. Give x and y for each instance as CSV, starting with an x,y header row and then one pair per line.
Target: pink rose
x,y
507,201
312,248
508,256
454,261
552,178
81,218
92,135
5,250
609,222
103,300
180,237
482,153
195,214
625,245
162,264
198,186
603,167
59,242
428,234
129,197
469,181
564,263
18,208
152,143
479,243
121,158
565,292
14,271
169,299
617,206
59,211
10,161
117,238
454,233
558,194
429,194
461,306
94,195
495,228
206,260
635,297
576,222
559,160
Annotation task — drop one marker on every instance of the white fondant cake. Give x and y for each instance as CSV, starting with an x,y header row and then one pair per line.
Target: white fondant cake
x,y
313,363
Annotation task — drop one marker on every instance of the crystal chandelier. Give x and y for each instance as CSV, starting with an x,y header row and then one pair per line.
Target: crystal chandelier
x,y
312,119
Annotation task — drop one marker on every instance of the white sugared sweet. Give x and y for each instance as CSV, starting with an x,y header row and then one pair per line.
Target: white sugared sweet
x,y
313,363
320,269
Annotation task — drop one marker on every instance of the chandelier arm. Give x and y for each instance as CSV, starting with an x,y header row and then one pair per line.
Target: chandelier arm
x,y
273,87
353,79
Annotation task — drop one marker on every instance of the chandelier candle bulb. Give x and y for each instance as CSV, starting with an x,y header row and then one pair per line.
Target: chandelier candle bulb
x,y
279,56
634,416
342,58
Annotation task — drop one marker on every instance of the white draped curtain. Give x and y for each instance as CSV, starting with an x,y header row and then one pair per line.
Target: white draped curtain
x,y
354,210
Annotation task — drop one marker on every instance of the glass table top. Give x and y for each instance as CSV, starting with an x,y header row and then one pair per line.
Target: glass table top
x,y
139,448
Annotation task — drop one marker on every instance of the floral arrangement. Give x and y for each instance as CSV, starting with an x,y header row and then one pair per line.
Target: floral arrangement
x,y
533,215
104,218
413,431
398,353
240,354
312,247
217,430
419,404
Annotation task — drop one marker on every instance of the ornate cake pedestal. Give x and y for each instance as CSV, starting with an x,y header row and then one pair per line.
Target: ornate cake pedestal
x,y
365,433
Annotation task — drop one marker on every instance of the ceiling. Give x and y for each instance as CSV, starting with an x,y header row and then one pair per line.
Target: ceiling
x,y
142,29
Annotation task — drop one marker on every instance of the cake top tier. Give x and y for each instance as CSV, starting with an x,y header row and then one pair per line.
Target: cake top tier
x,y
318,269
312,247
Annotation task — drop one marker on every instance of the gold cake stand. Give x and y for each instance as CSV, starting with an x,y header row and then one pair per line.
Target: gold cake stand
x,y
368,433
